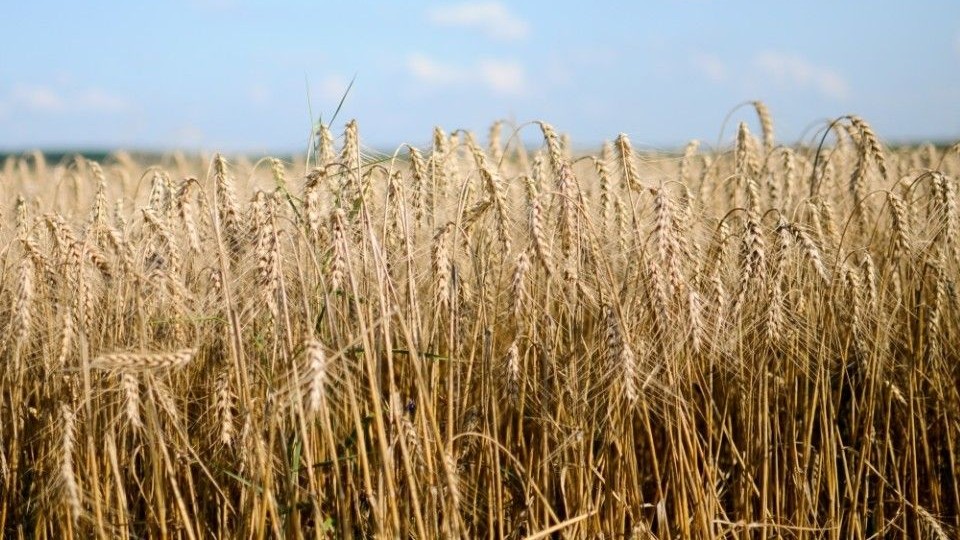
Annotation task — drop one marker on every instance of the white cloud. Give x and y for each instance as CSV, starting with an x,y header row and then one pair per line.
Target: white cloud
x,y
789,68
710,66
98,100
428,70
188,135
36,97
47,99
503,76
259,94
332,88
490,17
499,76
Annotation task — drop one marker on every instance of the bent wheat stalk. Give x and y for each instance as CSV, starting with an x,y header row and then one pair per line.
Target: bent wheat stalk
x,y
143,361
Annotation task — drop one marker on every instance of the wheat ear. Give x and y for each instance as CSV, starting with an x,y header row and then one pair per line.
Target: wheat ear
x,y
766,124
316,374
67,448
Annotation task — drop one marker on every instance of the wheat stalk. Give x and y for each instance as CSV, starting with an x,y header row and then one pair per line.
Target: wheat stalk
x,y
143,361
442,267
312,205
494,191
566,191
185,210
131,392
872,143
67,336
775,313
225,400
754,260
67,475
316,374
603,174
339,249
23,303
267,250
227,206
668,244
625,155
518,291
419,174
537,225
747,167
622,356
901,224
511,363
766,124
811,252
98,214
494,143
689,151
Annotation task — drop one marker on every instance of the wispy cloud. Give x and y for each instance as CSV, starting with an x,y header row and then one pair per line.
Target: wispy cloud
x,y
789,68
36,98
710,66
259,93
332,87
492,18
48,99
430,71
505,77
188,135
99,100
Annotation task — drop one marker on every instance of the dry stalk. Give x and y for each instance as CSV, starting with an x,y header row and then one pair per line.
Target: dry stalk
x,y
142,361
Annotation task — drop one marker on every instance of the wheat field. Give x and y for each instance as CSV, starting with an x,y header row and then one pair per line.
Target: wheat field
x,y
484,339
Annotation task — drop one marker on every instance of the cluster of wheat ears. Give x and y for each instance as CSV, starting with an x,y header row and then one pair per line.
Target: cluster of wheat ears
x,y
485,340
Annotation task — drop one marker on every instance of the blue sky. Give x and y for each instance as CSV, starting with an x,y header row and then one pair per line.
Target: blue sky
x,y
232,74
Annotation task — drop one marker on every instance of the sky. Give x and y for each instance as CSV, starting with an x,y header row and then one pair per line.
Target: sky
x,y
244,75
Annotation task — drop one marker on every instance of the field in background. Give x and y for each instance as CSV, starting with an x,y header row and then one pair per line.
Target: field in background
x,y
483,340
